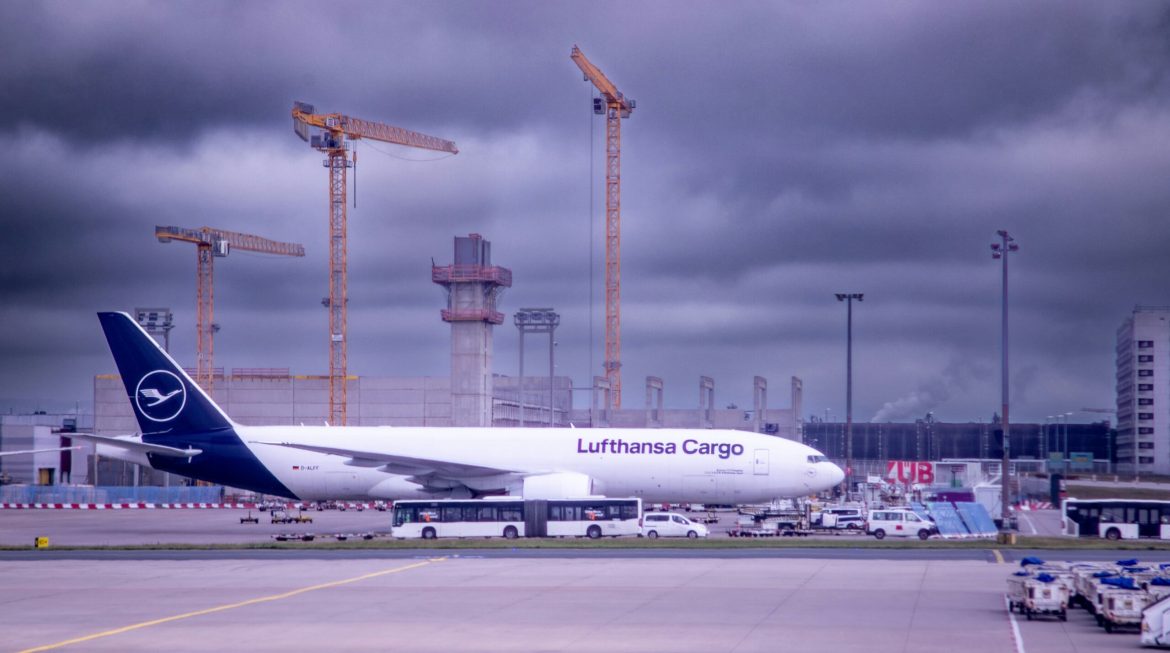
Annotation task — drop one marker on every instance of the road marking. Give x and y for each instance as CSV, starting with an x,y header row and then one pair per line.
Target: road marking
x,y
998,556
1015,626
1030,524
232,606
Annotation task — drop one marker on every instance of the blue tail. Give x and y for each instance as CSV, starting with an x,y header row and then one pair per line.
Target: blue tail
x,y
173,411
165,400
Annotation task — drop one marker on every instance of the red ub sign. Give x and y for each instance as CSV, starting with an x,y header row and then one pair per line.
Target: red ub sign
x,y
909,472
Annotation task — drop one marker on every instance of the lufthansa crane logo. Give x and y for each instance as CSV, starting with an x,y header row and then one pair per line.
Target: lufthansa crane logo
x,y
160,396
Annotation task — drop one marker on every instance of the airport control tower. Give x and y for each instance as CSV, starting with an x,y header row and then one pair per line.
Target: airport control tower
x,y
472,284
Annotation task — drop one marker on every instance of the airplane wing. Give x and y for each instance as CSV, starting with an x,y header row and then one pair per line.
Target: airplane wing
x,y
404,465
13,453
135,443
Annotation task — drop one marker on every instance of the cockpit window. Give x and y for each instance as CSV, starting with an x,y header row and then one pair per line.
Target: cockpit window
x,y
818,459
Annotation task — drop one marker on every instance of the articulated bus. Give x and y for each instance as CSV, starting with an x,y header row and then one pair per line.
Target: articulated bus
x,y
513,517
1116,519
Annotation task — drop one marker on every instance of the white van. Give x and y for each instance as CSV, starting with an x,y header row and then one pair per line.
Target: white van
x,y
898,523
842,517
670,524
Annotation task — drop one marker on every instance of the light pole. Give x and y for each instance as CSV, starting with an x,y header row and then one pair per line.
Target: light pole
x,y
1042,445
1048,443
1060,439
1001,250
538,320
848,299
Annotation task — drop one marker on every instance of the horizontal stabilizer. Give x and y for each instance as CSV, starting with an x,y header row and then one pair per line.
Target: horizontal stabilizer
x,y
135,443
13,453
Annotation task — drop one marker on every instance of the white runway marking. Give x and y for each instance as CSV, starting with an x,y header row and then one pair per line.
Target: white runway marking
x,y
1015,627
1030,524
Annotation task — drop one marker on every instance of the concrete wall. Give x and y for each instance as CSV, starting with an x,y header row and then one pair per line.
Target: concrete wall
x,y
693,418
471,364
25,468
373,401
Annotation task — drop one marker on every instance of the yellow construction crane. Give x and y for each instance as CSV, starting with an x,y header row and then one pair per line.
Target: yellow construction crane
x,y
336,130
211,243
615,106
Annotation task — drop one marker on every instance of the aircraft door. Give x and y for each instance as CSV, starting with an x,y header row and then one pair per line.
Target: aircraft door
x,y
760,462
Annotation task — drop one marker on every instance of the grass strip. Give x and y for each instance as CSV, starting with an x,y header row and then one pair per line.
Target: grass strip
x,y
1022,542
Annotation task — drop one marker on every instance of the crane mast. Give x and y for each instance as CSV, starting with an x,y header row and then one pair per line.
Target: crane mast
x,y
335,129
211,244
615,106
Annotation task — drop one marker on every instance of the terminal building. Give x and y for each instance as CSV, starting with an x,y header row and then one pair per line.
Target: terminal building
x,y
1143,403
1051,446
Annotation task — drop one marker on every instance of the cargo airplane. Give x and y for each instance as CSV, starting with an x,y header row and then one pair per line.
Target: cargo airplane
x,y
184,432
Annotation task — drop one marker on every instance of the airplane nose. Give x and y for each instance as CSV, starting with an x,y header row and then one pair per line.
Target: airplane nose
x,y
838,475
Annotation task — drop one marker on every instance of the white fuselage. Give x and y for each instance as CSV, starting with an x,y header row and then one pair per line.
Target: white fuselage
x,y
702,466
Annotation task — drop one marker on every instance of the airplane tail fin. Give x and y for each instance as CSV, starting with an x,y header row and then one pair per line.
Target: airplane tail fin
x,y
165,400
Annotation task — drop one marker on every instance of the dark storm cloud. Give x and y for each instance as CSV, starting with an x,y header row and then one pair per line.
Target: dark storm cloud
x,y
168,71
780,152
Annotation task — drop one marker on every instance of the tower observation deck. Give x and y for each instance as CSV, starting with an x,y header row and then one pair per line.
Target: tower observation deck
x,y
473,285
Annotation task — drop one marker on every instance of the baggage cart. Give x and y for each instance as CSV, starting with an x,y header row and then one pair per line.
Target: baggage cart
x,y
1044,594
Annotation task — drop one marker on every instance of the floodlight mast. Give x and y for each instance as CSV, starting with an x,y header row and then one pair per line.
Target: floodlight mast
x,y
848,299
1000,250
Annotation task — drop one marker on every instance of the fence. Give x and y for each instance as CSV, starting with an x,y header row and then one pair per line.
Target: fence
x,y
103,494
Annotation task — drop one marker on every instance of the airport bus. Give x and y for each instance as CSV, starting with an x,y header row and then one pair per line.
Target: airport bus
x,y
513,517
1116,519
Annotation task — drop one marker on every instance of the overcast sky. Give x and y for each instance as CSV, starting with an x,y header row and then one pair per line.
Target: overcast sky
x,y
780,152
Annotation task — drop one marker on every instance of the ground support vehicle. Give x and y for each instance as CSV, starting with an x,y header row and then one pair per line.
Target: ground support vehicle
x,y
294,537
1085,584
1116,519
283,517
671,524
512,517
250,519
1100,586
1044,594
1093,593
1155,626
898,522
839,517
1063,572
1015,590
752,531
755,526
1158,588
1121,608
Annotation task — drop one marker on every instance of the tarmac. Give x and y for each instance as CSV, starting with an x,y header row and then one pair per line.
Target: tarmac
x,y
847,600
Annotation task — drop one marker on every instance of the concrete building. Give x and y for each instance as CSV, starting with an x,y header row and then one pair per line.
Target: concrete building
x,y
1143,403
41,431
472,285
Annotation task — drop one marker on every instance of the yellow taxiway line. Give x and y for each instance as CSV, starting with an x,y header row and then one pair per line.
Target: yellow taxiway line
x,y
231,606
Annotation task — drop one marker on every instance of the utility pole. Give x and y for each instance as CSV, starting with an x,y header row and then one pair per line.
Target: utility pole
x,y
1001,250
848,299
